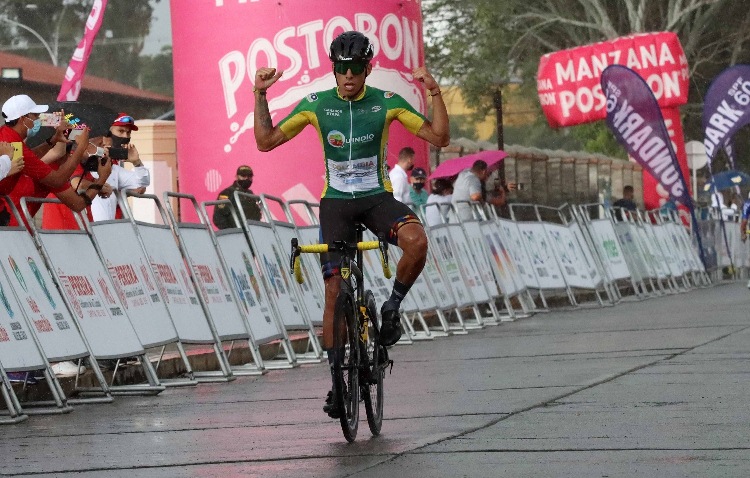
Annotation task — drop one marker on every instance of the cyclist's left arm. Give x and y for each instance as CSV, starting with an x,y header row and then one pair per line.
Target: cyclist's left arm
x,y
436,131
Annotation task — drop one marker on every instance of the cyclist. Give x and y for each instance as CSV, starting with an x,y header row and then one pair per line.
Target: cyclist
x,y
352,120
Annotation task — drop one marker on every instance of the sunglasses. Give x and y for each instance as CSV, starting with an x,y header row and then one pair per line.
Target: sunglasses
x,y
125,119
357,68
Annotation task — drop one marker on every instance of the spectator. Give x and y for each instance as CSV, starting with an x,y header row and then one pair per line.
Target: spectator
x,y
21,121
398,176
468,187
626,202
667,208
223,214
417,194
104,206
743,223
442,191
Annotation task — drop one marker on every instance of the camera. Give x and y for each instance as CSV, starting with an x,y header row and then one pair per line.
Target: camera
x,y
92,163
118,153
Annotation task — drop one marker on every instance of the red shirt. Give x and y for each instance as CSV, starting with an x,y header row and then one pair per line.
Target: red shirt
x,y
33,167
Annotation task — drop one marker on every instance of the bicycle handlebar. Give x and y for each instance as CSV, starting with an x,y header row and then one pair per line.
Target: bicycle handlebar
x,y
323,248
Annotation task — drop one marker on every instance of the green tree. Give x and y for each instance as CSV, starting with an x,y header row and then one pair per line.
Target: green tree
x,y
506,39
61,23
156,72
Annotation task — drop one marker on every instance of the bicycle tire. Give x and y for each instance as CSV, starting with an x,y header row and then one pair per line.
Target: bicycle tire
x,y
346,365
372,387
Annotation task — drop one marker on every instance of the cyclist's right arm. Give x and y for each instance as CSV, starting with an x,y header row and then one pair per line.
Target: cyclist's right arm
x,y
267,136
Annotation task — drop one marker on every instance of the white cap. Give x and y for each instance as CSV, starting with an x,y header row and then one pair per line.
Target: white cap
x,y
20,105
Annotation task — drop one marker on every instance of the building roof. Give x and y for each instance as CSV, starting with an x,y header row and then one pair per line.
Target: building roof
x,y
48,74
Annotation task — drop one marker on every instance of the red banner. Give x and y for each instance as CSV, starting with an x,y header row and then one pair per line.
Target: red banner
x,y
71,85
568,80
218,46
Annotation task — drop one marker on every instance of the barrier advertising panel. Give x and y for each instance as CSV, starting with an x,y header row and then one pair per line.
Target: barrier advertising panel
x,y
516,251
246,280
91,294
135,283
40,299
212,282
173,279
276,272
609,248
543,261
506,271
17,347
447,260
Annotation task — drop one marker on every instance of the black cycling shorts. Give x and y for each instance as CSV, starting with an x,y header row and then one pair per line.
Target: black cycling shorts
x,y
380,213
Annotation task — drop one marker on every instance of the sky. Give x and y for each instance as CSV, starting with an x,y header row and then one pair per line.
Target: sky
x,y
161,29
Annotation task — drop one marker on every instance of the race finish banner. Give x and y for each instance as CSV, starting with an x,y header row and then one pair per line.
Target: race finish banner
x,y
568,84
214,75
635,119
726,110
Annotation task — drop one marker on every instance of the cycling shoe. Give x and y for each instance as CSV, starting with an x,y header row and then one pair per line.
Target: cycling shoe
x,y
330,407
390,330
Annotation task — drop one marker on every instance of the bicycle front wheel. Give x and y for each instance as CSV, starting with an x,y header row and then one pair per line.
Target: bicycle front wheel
x,y
346,364
376,360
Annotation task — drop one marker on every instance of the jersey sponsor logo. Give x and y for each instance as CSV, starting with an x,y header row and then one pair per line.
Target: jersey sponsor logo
x,y
312,97
336,139
388,94
356,175
365,138
333,112
376,108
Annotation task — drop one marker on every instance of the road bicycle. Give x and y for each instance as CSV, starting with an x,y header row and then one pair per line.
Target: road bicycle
x,y
360,362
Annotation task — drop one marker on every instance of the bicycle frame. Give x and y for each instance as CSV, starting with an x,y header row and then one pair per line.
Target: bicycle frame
x,y
364,351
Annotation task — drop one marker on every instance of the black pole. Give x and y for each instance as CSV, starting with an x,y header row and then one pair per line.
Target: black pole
x,y
498,101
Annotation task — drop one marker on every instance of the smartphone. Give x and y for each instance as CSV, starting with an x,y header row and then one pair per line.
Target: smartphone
x,y
118,153
51,119
17,150
520,186
74,134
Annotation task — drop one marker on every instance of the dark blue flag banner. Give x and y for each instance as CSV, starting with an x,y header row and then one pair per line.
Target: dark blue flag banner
x,y
726,109
635,118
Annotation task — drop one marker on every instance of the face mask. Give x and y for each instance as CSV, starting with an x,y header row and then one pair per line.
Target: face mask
x,y
34,128
119,142
418,186
244,183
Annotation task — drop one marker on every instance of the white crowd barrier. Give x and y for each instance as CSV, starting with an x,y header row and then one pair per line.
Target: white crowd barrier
x,y
183,284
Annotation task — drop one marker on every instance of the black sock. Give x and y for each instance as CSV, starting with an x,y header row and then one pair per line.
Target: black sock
x,y
399,292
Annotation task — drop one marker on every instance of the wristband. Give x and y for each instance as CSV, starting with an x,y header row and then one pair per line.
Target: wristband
x,y
97,187
258,90
438,92
86,199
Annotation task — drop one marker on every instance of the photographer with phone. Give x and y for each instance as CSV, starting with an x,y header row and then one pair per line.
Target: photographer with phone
x,y
122,150
22,121
81,151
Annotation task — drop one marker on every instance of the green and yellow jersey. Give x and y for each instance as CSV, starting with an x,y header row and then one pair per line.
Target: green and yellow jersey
x,y
354,135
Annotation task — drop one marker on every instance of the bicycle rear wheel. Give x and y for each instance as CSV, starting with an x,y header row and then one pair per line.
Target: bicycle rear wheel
x,y
346,365
372,388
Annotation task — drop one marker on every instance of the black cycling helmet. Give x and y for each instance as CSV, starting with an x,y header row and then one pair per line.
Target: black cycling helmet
x,y
351,46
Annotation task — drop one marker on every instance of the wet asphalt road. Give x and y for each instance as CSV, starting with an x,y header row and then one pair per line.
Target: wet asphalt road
x,y
652,388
